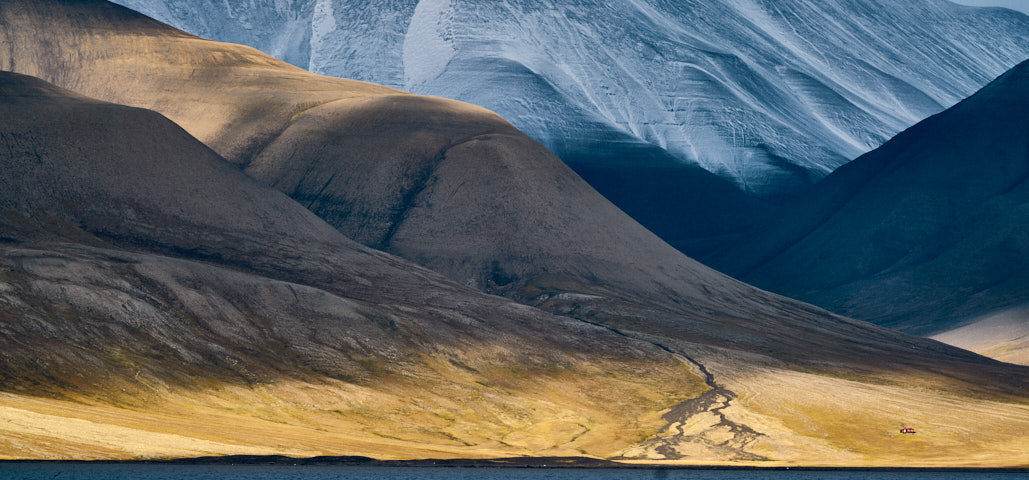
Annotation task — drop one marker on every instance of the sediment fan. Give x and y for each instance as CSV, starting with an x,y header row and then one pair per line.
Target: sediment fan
x,y
454,188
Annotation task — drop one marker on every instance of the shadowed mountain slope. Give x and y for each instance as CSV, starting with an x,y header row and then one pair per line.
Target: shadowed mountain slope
x,y
920,234
457,189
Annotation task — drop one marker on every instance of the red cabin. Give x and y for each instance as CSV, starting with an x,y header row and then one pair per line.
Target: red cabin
x,y
907,430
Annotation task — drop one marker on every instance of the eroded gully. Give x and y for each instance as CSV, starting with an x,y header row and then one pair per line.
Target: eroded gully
x,y
718,434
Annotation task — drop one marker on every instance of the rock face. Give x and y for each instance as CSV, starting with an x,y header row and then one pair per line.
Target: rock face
x,y
770,95
448,185
920,234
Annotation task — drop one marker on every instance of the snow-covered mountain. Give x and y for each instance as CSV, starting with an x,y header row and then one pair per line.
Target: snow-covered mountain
x,y
770,94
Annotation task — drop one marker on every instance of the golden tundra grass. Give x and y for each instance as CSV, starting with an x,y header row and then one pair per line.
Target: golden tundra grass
x,y
843,422
588,409
806,419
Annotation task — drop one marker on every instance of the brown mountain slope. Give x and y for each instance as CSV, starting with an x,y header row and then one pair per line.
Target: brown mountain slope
x,y
138,268
455,188
449,185
300,132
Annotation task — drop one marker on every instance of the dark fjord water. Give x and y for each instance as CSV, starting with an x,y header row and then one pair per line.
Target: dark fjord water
x,y
34,471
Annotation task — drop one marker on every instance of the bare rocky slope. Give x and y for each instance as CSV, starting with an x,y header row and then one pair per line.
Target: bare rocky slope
x,y
137,263
923,234
455,188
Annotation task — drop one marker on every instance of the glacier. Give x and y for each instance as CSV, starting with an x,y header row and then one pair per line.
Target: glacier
x,y
769,94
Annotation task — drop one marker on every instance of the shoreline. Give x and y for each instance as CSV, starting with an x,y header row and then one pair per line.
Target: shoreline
x,y
511,462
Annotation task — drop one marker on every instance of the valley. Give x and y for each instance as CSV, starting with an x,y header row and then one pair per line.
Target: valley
x,y
207,251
